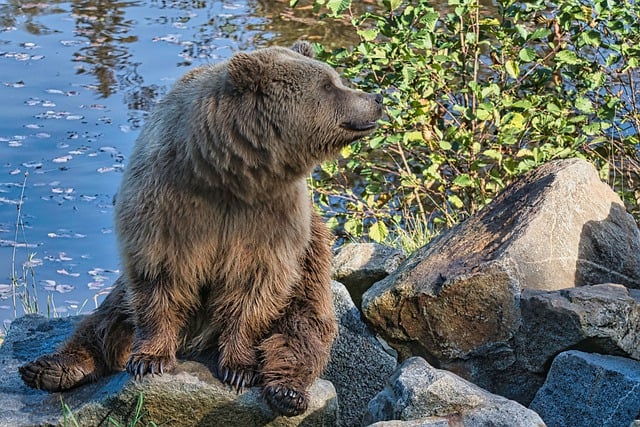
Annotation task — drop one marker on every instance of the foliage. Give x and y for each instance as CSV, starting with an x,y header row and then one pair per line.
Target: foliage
x,y
23,285
476,97
135,419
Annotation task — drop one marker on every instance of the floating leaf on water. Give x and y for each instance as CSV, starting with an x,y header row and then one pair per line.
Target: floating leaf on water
x,y
8,201
43,135
16,84
62,256
33,126
95,285
15,172
86,198
62,159
62,190
37,57
34,165
51,285
75,117
66,273
48,104
72,42
15,144
55,91
111,150
5,289
106,169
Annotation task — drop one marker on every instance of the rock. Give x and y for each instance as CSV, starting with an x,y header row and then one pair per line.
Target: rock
x,y
187,397
424,396
459,292
360,265
359,365
601,318
456,301
584,389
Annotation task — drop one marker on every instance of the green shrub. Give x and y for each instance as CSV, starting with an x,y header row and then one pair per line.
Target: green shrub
x,y
473,101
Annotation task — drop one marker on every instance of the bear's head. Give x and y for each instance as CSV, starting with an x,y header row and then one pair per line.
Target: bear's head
x,y
295,109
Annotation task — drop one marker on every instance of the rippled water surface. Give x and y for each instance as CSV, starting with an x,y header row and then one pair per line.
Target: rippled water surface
x,y
76,80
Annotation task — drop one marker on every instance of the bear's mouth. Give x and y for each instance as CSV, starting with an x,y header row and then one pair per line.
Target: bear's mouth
x,y
359,126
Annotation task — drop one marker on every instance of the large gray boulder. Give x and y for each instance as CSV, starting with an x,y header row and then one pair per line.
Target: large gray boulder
x,y
588,390
359,365
189,396
424,396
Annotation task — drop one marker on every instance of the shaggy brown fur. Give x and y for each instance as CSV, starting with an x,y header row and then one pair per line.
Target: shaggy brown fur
x,y
223,255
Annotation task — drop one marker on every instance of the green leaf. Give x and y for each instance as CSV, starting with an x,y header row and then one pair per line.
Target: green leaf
x,y
463,180
392,4
430,20
527,54
445,145
378,232
512,69
338,6
493,154
353,227
455,201
369,34
591,37
567,57
584,104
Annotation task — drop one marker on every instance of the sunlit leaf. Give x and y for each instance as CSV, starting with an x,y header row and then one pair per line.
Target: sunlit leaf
x,y
512,69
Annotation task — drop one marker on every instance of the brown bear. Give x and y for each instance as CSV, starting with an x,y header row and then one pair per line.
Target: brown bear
x,y
223,256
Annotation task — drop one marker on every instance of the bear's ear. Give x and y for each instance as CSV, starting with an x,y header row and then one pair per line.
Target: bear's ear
x,y
245,71
303,47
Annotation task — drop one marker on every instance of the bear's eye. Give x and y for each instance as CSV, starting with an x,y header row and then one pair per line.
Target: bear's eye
x,y
328,86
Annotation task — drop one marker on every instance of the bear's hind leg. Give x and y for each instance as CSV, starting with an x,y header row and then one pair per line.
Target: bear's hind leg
x,y
297,351
98,347
72,366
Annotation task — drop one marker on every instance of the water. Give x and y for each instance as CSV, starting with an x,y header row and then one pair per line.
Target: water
x,y
76,80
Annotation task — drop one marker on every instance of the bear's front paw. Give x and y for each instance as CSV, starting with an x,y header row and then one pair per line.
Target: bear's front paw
x,y
286,401
141,364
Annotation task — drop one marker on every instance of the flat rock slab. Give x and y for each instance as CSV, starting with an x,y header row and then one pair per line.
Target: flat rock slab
x,y
189,396
588,389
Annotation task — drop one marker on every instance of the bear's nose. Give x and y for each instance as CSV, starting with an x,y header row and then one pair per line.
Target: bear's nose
x,y
378,98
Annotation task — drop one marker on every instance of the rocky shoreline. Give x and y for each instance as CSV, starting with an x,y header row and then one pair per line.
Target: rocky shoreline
x,y
527,314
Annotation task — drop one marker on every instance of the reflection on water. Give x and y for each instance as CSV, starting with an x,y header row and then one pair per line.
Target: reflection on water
x,y
76,80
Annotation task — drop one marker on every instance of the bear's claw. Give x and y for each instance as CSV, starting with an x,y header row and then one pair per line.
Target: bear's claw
x,y
142,364
238,379
286,401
